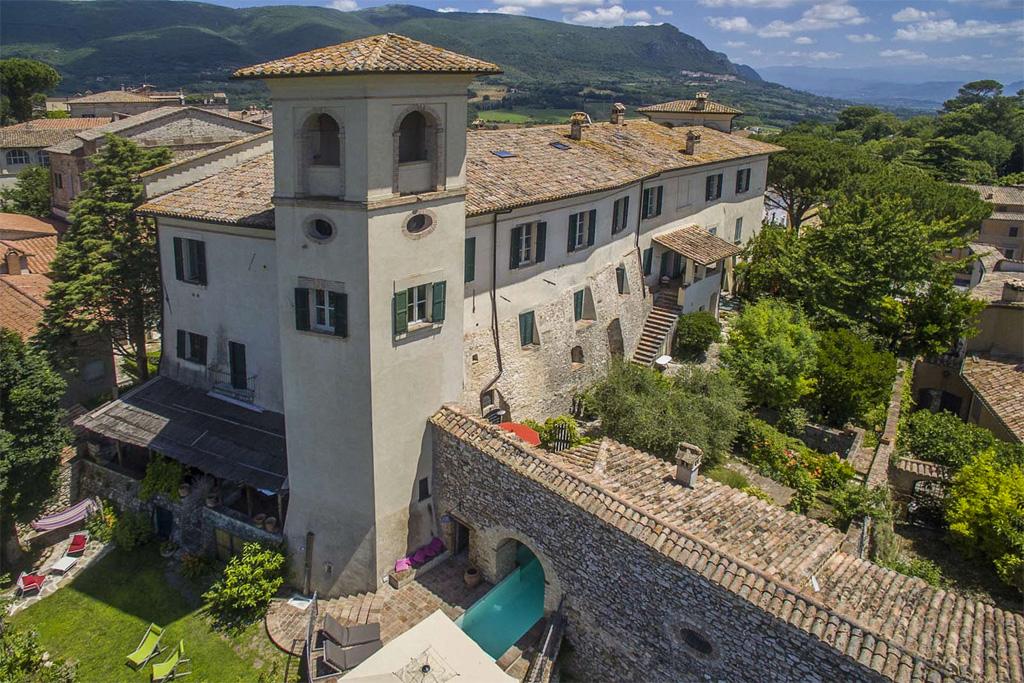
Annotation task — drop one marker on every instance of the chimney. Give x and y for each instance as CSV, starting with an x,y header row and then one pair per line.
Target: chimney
x,y
692,143
1013,291
702,100
618,113
478,124
577,120
688,459
13,263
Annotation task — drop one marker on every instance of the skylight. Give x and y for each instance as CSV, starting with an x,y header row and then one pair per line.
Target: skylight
x,y
503,154
559,145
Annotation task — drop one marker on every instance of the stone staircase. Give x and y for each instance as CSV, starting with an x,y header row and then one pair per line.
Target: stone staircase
x,y
657,326
354,610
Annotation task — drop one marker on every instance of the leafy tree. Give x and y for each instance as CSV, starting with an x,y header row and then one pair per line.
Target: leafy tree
x,y
250,580
975,92
23,84
986,146
881,126
1012,179
983,508
945,439
854,118
771,264
850,376
647,410
772,351
549,431
106,272
23,660
695,333
30,194
31,434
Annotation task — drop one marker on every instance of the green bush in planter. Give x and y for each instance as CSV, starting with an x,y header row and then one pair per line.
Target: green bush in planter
x,y
163,476
695,333
243,593
132,529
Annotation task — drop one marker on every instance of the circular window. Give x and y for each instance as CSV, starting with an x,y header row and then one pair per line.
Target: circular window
x,y
696,642
319,229
418,223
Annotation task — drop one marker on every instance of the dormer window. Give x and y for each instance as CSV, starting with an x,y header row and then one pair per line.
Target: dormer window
x,y
325,136
412,138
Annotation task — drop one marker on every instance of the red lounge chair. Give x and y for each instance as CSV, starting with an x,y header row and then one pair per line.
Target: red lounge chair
x,y
434,548
78,543
419,557
30,582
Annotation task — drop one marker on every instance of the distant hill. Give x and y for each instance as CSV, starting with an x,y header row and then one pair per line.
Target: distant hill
x,y
101,44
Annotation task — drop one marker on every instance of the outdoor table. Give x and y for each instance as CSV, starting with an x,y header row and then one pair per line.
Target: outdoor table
x,y
64,564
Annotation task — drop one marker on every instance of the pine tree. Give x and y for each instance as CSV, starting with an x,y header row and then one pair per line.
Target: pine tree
x,y
106,275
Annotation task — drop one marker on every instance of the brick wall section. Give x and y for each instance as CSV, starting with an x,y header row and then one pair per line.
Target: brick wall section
x,y
878,475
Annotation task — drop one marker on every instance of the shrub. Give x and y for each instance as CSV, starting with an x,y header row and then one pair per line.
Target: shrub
x,y
194,565
758,493
946,439
806,488
851,378
163,476
853,501
243,593
918,567
792,421
695,333
101,525
549,431
132,529
787,459
22,659
731,478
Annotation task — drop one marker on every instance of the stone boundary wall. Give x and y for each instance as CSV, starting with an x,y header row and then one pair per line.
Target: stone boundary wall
x,y
878,475
627,604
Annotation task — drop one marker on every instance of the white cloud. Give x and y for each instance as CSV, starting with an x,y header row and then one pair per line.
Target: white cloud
x,y
813,55
865,38
818,17
608,16
504,9
534,4
661,11
945,30
756,53
344,5
909,14
643,23
735,43
446,10
804,40
748,3
907,55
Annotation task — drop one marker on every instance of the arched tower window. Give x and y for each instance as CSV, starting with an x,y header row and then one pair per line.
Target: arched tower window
x,y
325,139
412,138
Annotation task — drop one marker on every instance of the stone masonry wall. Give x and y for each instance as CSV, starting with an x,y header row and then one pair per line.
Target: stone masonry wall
x,y
625,604
540,381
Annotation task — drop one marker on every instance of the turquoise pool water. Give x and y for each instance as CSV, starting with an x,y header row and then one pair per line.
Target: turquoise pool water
x,y
501,617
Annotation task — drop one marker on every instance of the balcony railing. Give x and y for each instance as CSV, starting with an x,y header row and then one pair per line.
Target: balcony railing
x,y
227,384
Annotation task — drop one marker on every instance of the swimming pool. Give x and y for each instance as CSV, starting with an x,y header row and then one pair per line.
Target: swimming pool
x,y
501,617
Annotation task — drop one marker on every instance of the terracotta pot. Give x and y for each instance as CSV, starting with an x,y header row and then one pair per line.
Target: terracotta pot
x,y
211,500
472,576
183,490
270,524
259,519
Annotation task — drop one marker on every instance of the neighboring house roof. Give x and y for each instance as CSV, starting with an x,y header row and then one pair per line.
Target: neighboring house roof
x,y
388,53
1008,215
696,243
690,106
1012,195
899,626
198,430
113,96
999,383
45,132
22,300
39,251
924,468
27,224
609,156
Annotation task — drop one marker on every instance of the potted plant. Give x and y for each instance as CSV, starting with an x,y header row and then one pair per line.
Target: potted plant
x,y
167,548
472,576
270,524
183,490
212,498
259,519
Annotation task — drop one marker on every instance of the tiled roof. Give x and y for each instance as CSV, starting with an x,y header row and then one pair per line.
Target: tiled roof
x,y
237,196
23,223
113,96
22,300
999,383
899,626
695,242
924,468
1011,195
39,251
388,53
687,106
45,132
607,157
1008,215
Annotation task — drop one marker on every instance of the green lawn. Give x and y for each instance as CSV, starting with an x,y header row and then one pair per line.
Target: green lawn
x,y
99,618
526,115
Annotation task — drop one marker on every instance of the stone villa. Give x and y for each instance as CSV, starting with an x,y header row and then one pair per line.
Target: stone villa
x,y
369,265
1005,227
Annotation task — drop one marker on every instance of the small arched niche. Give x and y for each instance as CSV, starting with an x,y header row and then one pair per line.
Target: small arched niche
x,y
417,152
412,138
322,142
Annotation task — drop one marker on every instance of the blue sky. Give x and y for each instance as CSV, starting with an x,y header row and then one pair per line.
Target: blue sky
x,y
976,36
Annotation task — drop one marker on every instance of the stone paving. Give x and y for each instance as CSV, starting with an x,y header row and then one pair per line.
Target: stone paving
x,y
94,550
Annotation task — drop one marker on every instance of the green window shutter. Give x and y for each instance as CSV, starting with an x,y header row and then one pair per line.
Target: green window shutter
x,y
660,190
577,305
573,227
513,252
739,181
182,342
201,262
470,259
179,261
592,228
526,328
645,200
400,311
541,242
439,293
301,308
616,211
709,188
625,213
620,279
648,258
677,267
202,349
339,301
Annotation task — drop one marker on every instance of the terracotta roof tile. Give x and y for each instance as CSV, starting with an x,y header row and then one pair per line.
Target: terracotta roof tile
x,y
1012,195
113,96
387,53
27,224
22,300
898,626
45,132
39,251
686,106
924,468
695,242
999,383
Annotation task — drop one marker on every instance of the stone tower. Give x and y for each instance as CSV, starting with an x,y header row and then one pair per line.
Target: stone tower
x,y
369,195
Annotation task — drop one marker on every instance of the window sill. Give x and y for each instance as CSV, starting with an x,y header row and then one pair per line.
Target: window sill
x,y
321,333
576,366
194,283
530,348
584,323
418,330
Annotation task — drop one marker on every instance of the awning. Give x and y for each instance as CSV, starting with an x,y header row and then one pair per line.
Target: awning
x,y
75,513
525,433
698,245
188,425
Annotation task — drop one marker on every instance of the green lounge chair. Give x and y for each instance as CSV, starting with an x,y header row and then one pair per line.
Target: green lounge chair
x,y
168,670
148,648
